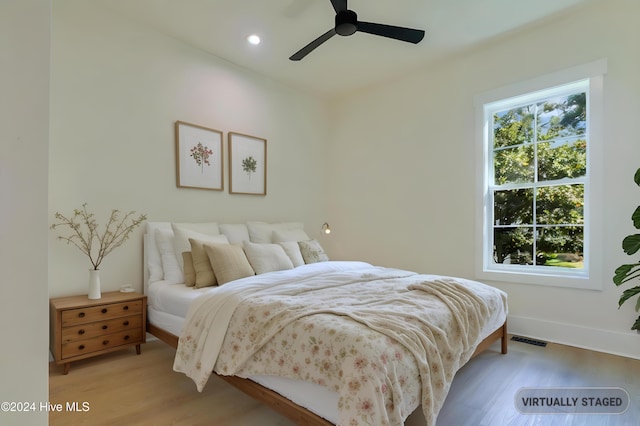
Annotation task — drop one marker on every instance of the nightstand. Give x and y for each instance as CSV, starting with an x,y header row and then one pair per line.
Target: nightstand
x,y
82,328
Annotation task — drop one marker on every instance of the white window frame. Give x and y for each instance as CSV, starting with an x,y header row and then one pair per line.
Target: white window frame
x,y
589,277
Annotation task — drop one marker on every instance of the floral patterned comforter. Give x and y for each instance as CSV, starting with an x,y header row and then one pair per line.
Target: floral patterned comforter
x,y
385,340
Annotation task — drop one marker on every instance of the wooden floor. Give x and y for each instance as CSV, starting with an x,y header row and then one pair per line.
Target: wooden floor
x,y
122,388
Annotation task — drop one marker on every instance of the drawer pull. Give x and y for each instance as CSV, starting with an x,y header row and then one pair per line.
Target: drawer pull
x,y
81,347
81,331
81,314
126,307
104,311
105,342
126,323
104,327
126,337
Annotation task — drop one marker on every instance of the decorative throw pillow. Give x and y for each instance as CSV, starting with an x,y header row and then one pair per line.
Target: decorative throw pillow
x,y
199,231
292,249
312,251
266,257
229,262
189,271
204,272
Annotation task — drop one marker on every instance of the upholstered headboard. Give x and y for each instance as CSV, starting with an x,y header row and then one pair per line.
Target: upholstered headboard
x,y
160,235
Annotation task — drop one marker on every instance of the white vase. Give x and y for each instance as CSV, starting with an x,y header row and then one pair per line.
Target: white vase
x,y
94,284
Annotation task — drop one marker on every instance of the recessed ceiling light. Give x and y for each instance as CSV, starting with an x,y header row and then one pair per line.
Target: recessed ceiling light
x,y
253,39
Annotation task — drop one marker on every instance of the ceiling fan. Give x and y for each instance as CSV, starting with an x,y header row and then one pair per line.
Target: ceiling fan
x,y
347,23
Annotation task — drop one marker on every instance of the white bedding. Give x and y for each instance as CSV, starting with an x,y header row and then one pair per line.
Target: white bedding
x,y
426,326
167,304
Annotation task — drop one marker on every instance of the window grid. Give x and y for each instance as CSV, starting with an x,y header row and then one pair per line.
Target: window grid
x,y
536,184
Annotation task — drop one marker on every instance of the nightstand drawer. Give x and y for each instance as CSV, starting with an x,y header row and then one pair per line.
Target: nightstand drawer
x,y
100,328
100,343
98,313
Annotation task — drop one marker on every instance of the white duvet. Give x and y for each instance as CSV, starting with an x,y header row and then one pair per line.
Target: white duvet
x,y
385,340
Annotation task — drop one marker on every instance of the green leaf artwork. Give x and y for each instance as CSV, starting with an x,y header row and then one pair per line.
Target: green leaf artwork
x,y
249,166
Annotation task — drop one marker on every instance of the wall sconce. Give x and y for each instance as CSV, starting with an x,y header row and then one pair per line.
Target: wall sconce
x,y
326,228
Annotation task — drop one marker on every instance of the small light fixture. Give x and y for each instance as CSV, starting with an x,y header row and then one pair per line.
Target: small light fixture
x,y
253,39
326,228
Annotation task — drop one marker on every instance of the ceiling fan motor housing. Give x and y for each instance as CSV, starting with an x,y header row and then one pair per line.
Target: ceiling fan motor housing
x,y
346,22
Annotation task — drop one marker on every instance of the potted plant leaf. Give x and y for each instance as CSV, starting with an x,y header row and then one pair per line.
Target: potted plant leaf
x,y
625,273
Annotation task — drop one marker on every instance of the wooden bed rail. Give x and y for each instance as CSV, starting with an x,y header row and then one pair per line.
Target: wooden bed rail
x,y
286,407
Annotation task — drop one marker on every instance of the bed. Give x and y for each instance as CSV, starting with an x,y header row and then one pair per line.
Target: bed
x,y
324,342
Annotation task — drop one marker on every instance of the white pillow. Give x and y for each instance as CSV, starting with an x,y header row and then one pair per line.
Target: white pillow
x,y
283,235
170,267
266,257
292,249
198,231
236,232
262,232
151,252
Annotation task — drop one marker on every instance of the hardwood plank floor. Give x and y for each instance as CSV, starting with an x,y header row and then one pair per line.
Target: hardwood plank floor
x,y
122,388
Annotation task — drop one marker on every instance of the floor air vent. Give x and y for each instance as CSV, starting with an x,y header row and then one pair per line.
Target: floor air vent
x,y
529,341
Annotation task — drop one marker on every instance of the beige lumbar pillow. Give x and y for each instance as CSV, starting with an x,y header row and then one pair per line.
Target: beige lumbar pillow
x,y
189,272
204,273
229,262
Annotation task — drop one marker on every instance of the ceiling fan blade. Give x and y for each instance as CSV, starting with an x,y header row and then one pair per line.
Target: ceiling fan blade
x,y
339,5
399,33
315,43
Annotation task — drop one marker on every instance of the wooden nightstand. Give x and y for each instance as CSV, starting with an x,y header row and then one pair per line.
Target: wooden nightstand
x,y
83,328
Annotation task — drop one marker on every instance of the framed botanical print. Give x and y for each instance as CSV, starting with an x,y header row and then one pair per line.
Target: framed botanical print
x,y
198,157
247,164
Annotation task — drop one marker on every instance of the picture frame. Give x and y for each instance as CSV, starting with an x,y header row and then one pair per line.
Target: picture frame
x,y
247,164
199,162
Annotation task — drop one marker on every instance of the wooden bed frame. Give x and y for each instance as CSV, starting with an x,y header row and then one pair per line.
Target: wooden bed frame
x,y
284,406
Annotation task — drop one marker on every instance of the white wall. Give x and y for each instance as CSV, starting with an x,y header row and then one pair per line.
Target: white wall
x,y
407,150
117,89
24,136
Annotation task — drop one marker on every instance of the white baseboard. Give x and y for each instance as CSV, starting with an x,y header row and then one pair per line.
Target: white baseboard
x,y
612,342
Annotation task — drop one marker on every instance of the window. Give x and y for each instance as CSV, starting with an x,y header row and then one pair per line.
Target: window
x,y
540,188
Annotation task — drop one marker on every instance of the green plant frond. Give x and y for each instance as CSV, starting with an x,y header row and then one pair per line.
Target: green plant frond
x,y
638,305
636,325
635,217
631,243
636,177
627,294
626,272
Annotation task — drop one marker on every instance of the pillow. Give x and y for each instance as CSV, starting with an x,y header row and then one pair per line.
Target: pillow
x,y
312,251
151,253
235,232
204,273
228,262
266,257
189,271
292,249
170,266
282,235
183,231
261,232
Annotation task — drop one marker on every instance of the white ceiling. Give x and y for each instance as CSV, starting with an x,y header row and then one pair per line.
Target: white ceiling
x,y
342,64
